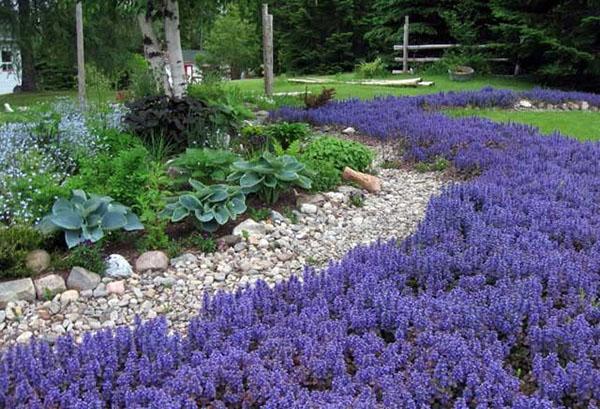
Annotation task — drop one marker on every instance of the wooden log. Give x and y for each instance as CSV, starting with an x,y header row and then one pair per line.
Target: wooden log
x,y
425,84
368,182
310,81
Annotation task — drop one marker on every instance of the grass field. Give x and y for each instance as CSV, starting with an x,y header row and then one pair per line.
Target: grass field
x,y
582,125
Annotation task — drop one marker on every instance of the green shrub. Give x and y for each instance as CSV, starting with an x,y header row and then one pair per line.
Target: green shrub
x,y
253,140
213,206
438,165
258,214
205,165
287,133
202,242
340,153
374,69
325,176
269,175
276,138
88,256
15,242
141,80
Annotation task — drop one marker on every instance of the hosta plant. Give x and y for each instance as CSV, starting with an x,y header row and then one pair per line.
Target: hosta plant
x,y
269,175
85,218
212,205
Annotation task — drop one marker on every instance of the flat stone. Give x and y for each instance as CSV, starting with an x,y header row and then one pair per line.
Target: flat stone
x,y
117,267
82,279
49,285
24,337
37,261
308,208
152,260
183,259
251,227
16,290
230,239
349,131
69,296
525,103
116,287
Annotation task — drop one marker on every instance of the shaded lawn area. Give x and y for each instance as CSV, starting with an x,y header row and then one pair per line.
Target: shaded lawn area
x,y
582,125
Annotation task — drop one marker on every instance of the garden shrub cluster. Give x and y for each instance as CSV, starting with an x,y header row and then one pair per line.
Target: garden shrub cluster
x,y
493,302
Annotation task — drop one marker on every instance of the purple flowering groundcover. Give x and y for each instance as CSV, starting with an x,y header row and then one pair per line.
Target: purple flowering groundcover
x,y
492,303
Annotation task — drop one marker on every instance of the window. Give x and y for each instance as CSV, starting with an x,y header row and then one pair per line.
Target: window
x,y
7,60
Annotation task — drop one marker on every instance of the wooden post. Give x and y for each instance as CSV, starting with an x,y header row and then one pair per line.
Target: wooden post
x,y
405,47
267,21
80,56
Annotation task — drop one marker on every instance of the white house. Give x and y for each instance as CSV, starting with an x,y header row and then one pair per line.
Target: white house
x,y
10,65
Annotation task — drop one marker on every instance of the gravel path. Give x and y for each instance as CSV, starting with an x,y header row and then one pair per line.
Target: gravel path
x,y
326,229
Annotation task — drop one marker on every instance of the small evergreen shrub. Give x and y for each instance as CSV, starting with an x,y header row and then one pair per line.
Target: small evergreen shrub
x,y
15,242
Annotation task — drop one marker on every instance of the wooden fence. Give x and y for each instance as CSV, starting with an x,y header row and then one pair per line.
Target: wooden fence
x,y
406,47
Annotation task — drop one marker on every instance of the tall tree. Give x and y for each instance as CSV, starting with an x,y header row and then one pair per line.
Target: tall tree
x,y
25,41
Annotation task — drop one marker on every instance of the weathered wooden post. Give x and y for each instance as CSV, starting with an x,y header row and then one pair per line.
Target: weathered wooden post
x,y
267,22
80,55
405,47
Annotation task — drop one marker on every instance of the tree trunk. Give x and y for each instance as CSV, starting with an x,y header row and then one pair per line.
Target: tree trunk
x,y
175,55
80,54
154,54
28,74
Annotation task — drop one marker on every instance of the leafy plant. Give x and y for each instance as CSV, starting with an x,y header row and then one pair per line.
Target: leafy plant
x,y
325,175
269,175
357,199
88,256
315,101
258,214
202,242
213,205
374,69
287,133
340,153
290,214
205,165
440,164
15,242
183,122
84,219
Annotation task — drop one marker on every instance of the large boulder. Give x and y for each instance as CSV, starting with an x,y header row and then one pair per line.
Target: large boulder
x,y
16,290
81,279
49,285
152,260
118,267
37,261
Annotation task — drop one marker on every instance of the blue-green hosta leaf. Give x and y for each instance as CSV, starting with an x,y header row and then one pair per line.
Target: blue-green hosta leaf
x,y
115,207
234,176
250,180
113,220
242,166
73,238
67,220
204,216
265,169
199,186
287,176
93,219
46,226
210,226
80,195
179,213
270,181
218,195
304,182
238,205
91,205
221,215
62,204
190,202
133,222
96,233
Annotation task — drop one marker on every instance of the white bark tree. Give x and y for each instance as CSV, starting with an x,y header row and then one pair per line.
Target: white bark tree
x,y
161,54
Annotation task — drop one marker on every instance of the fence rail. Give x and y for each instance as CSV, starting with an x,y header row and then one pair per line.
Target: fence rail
x,y
406,47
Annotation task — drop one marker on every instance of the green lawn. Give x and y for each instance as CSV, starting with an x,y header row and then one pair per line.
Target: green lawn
x,y
582,125
344,91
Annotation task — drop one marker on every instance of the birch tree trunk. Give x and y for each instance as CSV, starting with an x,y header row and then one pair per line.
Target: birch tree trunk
x,y
173,41
154,54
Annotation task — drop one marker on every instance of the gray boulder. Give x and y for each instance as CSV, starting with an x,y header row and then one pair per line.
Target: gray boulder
x,y
16,290
49,285
152,260
80,279
38,261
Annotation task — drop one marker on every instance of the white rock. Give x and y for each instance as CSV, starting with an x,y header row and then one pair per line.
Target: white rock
x,y
118,267
49,285
82,279
24,337
69,296
525,103
308,208
349,131
585,105
15,290
251,227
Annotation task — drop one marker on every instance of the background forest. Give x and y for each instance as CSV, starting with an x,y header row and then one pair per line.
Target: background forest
x,y
556,42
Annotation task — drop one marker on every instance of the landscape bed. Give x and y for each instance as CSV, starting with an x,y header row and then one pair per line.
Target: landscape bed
x,y
493,302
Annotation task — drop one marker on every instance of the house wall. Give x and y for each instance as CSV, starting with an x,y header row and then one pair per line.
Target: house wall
x,y
10,68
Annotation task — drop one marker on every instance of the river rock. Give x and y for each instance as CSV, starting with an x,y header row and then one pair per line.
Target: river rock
x,y
118,267
49,285
152,260
37,261
81,279
16,290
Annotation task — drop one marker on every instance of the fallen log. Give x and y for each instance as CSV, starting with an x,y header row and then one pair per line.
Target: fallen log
x,y
368,182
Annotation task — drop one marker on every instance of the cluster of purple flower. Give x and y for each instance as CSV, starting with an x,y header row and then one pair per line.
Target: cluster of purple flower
x,y
492,303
